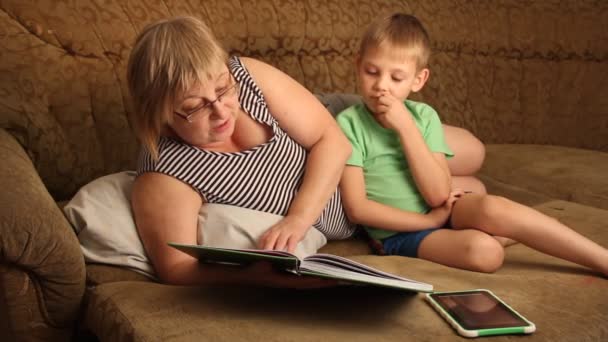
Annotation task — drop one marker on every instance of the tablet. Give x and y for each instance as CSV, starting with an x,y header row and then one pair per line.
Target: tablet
x,y
479,313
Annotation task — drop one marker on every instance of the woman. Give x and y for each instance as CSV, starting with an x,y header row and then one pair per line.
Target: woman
x,y
227,130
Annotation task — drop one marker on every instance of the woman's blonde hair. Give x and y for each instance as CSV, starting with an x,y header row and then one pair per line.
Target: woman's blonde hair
x,y
403,32
168,58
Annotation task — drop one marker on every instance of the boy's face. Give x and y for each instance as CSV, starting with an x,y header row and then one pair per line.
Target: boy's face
x,y
383,71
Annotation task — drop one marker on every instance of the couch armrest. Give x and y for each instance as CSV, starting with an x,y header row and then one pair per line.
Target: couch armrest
x,y
42,271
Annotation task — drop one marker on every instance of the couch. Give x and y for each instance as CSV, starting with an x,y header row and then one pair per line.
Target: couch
x,y
528,78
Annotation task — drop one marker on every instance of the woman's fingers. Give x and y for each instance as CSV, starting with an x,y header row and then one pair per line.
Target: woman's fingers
x,y
269,239
281,241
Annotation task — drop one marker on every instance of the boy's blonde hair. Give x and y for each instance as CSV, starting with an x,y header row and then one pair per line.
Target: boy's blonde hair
x,y
168,58
403,32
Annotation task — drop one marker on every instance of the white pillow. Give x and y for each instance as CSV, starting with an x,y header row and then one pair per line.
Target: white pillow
x,y
101,216
337,102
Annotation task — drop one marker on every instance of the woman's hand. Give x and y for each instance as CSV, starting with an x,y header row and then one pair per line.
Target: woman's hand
x,y
284,235
441,214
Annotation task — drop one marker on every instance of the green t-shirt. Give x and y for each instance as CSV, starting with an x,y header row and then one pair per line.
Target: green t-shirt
x,y
378,151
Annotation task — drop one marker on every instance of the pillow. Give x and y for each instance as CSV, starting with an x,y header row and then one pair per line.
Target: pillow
x,y
101,216
337,102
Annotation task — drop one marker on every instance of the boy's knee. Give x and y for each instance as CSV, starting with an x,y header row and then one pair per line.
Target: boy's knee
x,y
493,209
485,254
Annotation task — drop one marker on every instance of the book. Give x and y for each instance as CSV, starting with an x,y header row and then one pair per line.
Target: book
x,y
321,265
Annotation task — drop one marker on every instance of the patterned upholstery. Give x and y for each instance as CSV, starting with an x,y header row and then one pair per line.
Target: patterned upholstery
x,y
511,72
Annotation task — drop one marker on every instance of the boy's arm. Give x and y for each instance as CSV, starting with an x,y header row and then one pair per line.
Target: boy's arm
x,y
429,169
361,210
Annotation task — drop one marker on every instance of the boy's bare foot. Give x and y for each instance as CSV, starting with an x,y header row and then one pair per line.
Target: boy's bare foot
x,y
505,242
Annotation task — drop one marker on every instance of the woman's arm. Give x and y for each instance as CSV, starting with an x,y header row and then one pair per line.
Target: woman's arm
x,y
363,211
306,121
166,210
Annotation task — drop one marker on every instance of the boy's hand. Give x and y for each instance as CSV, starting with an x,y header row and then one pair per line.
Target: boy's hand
x,y
284,235
392,113
441,214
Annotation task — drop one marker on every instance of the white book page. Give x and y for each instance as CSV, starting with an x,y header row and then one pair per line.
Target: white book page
x,y
341,262
313,266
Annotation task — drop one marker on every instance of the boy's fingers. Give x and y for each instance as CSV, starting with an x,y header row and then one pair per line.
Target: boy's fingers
x,y
457,191
384,101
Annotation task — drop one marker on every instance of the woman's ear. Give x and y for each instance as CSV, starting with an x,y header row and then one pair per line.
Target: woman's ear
x,y
420,80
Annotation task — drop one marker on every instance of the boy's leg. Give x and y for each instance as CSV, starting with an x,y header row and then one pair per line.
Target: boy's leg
x,y
467,249
502,217
469,152
505,242
469,184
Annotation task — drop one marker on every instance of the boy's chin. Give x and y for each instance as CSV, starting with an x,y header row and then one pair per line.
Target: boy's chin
x,y
370,104
372,108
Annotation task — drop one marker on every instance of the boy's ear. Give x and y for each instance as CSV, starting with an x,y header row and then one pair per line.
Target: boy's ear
x,y
420,80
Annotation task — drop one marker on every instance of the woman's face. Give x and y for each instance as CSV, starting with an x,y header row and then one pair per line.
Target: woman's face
x,y
206,113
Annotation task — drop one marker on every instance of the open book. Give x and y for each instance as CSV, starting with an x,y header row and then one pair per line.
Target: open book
x,y
321,265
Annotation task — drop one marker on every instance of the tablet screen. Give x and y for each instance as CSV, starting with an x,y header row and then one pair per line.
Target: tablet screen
x,y
478,310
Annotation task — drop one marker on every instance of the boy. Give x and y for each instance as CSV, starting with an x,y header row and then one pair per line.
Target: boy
x,y
397,184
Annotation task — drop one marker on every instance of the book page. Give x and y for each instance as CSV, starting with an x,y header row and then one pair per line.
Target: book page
x,y
340,262
323,270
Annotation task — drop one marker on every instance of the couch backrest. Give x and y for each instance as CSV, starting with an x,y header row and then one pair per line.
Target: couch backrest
x,y
510,71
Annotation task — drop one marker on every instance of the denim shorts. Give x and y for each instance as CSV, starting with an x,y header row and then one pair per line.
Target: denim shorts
x,y
405,243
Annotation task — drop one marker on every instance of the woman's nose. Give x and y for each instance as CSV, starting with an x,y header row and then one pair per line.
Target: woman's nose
x,y
219,111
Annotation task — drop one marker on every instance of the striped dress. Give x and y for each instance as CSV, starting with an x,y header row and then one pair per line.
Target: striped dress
x,y
264,178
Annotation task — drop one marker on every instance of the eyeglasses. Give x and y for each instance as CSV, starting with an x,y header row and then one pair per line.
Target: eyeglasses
x,y
206,109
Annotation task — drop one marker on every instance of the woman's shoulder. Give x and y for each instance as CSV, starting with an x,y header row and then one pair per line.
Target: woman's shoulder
x,y
163,186
258,69
247,68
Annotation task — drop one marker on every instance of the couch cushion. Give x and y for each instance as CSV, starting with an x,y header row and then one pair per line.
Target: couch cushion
x,y
103,273
565,301
559,172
